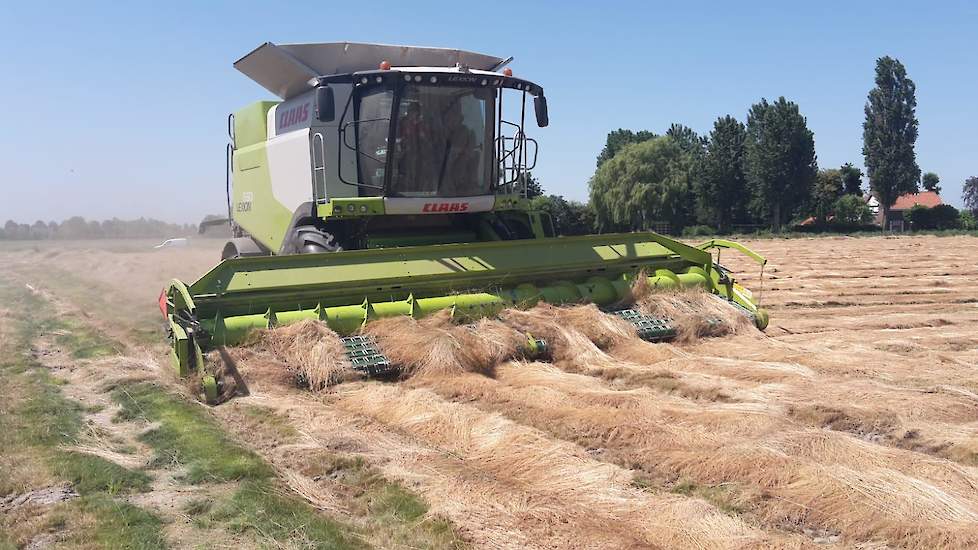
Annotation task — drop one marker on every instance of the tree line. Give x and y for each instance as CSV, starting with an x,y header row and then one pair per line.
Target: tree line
x,y
78,227
761,172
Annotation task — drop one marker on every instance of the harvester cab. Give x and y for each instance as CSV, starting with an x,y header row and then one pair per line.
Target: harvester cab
x,y
392,180
377,146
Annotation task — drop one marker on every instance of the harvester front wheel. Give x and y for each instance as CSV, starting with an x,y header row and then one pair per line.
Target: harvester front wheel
x,y
240,247
761,318
311,240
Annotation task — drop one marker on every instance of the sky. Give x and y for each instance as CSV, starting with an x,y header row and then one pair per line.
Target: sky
x,y
120,109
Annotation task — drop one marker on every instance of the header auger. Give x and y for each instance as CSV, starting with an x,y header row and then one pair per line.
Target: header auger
x,y
390,181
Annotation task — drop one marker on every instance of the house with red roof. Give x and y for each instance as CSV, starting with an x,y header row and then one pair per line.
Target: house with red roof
x,y
903,203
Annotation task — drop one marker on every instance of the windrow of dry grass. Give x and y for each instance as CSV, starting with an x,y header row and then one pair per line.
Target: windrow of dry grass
x,y
558,480
435,346
694,312
864,434
551,482
786,476
310,351
649,407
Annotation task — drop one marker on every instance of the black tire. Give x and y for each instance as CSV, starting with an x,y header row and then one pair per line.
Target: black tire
x,y
510,228
310,240
241,247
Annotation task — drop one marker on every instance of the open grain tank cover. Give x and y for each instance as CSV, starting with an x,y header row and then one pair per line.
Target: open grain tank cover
x,y
285,69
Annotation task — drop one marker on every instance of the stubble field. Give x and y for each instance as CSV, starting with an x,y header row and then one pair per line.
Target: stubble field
x,y
851,422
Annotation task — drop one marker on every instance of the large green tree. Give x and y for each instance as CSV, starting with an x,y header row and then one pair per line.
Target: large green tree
x,y
779,160
620,138
889,135
852,210
694,147
645,183
852,179
533,187
826,191
969,193
686,138
718,178
569,217
931,182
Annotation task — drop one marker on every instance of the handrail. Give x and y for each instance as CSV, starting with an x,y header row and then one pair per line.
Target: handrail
x,y
723,243
760,260
228,169
318,167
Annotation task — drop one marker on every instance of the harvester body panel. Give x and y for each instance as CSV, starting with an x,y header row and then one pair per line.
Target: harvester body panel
x,y
253,203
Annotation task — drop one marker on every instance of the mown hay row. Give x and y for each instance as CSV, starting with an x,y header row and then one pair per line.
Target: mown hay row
x,y
310,351
811,477
435,346
694,312
561,478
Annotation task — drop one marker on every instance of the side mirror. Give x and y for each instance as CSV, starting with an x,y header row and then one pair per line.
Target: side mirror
x,y
325,106
540,108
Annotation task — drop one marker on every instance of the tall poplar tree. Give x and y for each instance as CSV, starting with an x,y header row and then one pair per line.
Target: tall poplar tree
x,y
889,135
969,194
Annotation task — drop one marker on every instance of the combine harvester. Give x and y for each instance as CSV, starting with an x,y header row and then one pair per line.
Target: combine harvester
x,y
388,181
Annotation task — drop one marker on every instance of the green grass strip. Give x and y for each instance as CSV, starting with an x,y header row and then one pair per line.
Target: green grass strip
x,y
257,507
91,474
186,436
44,420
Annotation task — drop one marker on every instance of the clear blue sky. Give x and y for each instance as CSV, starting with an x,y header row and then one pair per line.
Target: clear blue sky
x,y
119,109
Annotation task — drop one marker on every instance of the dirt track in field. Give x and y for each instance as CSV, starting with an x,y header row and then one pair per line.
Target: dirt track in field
x,y
852,422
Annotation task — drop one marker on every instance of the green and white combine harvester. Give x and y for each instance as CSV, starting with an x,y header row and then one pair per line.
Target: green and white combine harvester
x,y
391,180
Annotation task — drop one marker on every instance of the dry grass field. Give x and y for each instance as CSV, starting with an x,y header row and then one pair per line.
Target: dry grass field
x,y
852,422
